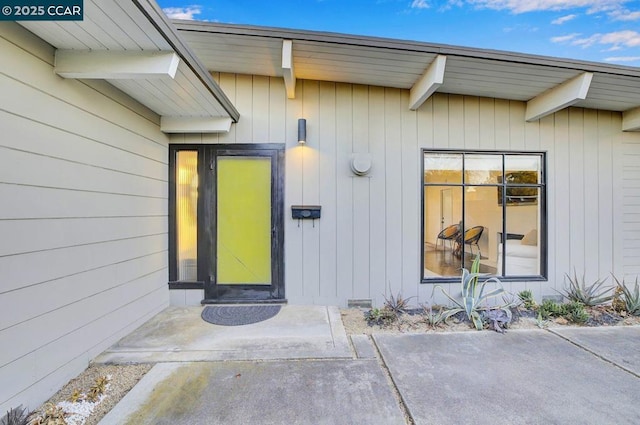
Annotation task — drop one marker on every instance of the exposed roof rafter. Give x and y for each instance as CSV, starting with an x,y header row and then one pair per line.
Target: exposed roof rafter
x,y
195,124
559,97
631,120
287,68
115,65
428,83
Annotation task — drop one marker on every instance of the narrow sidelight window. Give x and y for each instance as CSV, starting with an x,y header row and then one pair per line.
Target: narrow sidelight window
x,y
186,181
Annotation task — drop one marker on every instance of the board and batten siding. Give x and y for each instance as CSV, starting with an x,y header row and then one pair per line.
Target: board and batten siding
x,y
630,171
367,243
83,213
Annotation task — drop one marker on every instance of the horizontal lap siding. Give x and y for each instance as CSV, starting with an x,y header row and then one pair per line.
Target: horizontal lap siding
x,y
367,243
83,252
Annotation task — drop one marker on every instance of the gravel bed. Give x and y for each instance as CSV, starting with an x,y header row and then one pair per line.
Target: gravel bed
x,y
355,323
122,379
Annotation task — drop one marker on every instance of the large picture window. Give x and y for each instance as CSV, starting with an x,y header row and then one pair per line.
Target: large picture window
x,y
491,204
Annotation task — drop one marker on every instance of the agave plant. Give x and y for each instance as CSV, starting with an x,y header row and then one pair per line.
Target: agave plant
x,y
431,317
630,298
16,416
590,295
474,299
397,304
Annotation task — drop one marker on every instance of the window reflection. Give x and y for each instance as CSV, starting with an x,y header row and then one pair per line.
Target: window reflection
x,y
443,168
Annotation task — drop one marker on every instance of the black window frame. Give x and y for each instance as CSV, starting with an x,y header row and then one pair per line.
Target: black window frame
x,y
204,242
543,230
174,283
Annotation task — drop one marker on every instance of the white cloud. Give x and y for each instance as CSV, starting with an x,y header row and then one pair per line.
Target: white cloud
x,y
564,19
420,4
623,59
187,13
565,38
614,40
520,28
625,38
586,42
522,6
625,15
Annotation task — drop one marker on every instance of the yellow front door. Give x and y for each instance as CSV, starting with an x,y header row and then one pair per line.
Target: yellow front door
x,y
243,245
245,216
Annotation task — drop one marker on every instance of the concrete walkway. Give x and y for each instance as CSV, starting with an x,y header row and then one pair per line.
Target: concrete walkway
x,y
523,377
300,368
179,334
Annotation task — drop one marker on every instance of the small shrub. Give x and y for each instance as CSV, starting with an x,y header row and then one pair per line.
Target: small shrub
x,y
630,299
573,311
590,295
380,317
526,297
16,416
550,308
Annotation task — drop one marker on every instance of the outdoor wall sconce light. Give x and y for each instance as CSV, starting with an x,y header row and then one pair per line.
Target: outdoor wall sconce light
x,y
302,131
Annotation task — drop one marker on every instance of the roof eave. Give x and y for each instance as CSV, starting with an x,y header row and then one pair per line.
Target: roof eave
x,y
406,45
159,20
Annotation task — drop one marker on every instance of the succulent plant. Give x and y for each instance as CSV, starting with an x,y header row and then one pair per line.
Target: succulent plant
x,y
526,297
587,294
53,415
76,396
630,299
16,416
433,318
575,312
397,304
474,298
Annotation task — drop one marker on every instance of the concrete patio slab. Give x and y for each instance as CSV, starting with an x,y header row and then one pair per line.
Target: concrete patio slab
x,y
179,334
619,345
522,377
278,392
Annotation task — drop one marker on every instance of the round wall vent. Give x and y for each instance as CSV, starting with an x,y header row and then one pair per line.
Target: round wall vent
x,y
361,164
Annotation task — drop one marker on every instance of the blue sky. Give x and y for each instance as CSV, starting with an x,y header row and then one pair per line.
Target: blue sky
x,y
593,30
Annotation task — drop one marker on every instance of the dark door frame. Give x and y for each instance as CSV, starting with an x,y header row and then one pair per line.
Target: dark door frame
x,y
207,175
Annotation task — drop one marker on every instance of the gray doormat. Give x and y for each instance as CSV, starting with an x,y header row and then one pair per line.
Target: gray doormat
x,y
226,315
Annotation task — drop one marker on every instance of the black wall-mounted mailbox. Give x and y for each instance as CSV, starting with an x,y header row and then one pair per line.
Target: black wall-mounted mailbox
x,y
305,211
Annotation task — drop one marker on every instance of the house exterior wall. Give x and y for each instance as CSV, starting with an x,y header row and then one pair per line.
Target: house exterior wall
x,y
83,213
367,243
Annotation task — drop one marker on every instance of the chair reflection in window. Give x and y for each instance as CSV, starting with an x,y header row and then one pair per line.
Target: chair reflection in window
x,y
449,233
471,237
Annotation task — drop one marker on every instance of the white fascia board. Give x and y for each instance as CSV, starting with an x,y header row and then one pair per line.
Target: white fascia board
x,y
428,83
115,65
287,68
195,124
559,97
631,120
